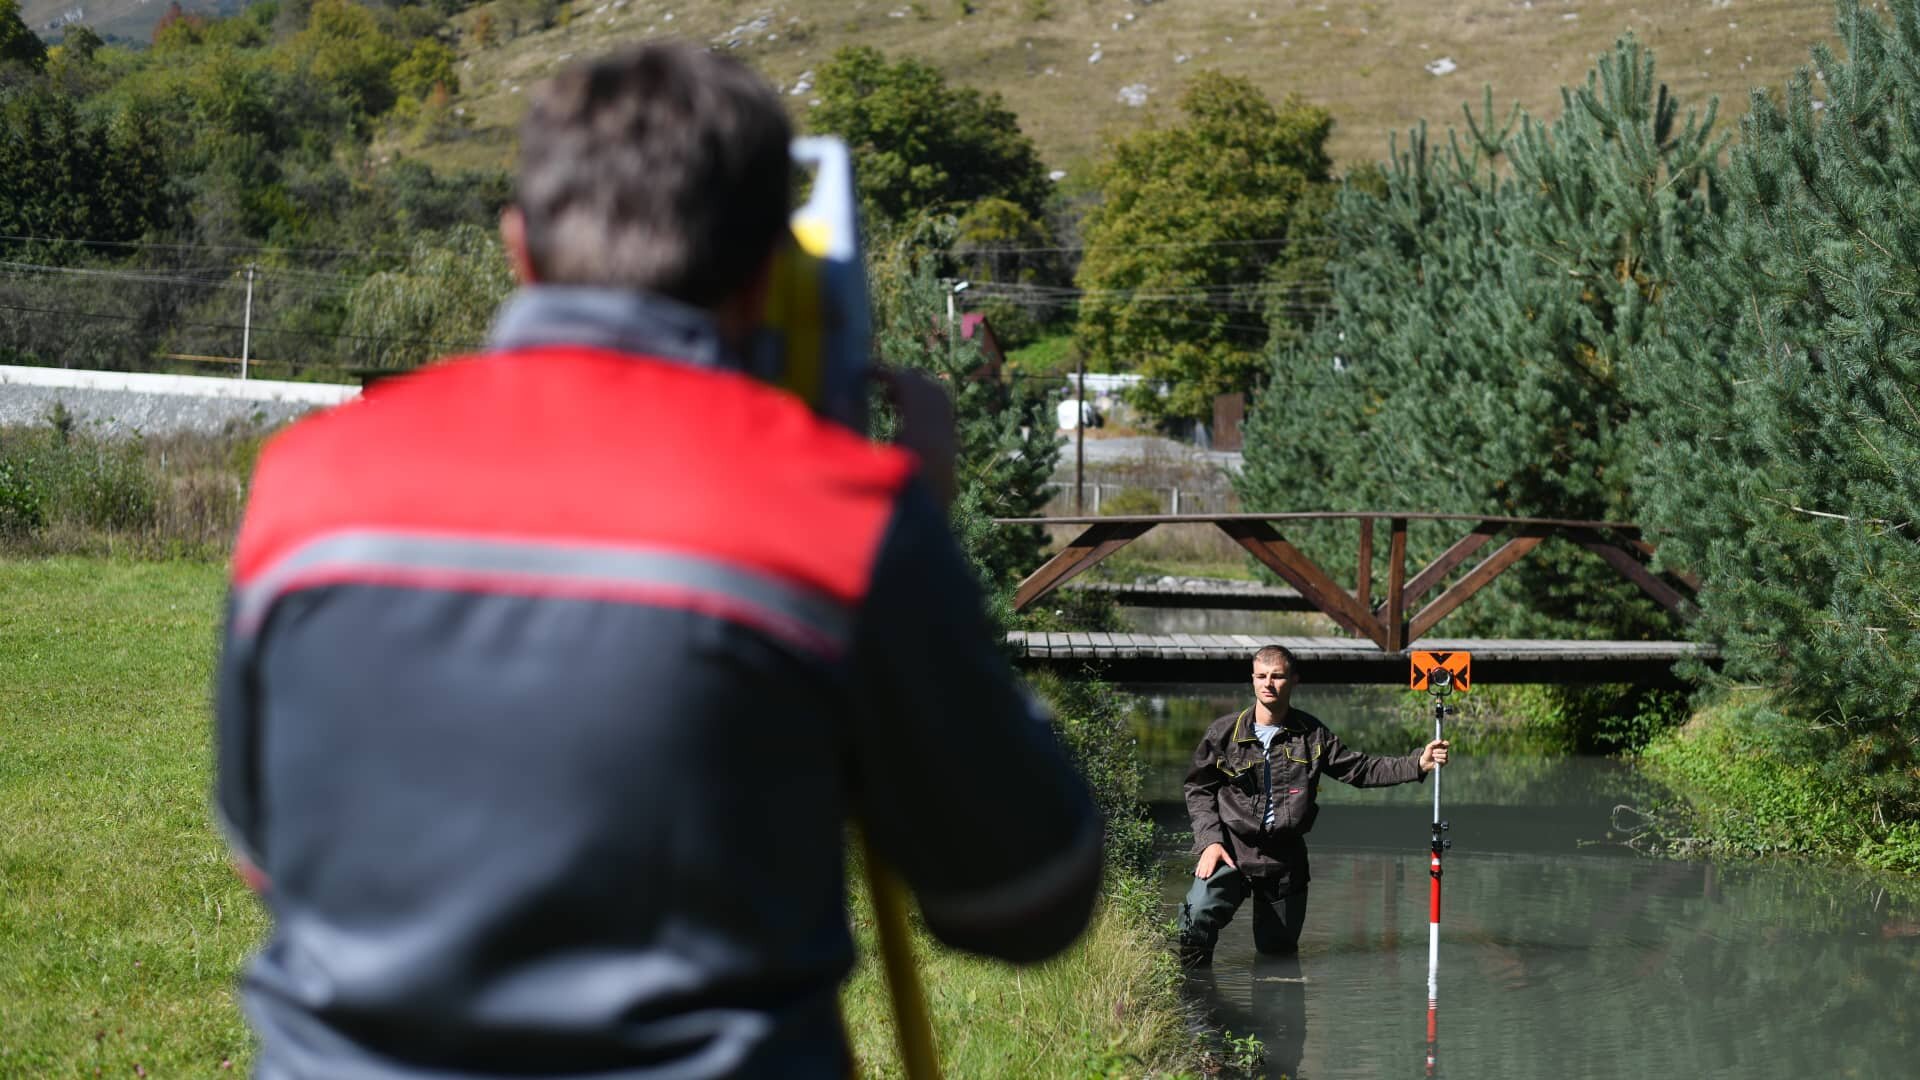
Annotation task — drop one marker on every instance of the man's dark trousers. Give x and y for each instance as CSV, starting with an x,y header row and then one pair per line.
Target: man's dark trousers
x,y
1210,905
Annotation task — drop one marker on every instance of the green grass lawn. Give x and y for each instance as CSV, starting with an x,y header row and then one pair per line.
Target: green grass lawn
x,y
122,929
121,925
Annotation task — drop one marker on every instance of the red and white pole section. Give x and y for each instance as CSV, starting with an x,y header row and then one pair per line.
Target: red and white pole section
x,y
1433,907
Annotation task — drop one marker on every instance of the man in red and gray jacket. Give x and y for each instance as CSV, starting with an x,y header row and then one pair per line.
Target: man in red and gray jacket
x,y
553,675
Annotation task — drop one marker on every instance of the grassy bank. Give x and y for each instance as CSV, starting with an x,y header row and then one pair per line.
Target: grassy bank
x,y
122,929
1110,1006
1745,794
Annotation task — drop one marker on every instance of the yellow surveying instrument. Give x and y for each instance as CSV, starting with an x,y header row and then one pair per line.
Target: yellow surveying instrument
x,y
817,330
814,341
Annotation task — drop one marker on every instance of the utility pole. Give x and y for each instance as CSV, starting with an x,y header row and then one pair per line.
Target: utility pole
x,y
954,289
1080,434
246,324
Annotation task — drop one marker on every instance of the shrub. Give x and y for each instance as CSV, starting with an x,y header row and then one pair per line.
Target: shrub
x,y
22,501
106,486
1091,720
1131,501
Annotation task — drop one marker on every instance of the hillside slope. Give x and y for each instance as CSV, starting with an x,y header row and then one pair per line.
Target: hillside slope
x,y
1090,66
1075,69
116,20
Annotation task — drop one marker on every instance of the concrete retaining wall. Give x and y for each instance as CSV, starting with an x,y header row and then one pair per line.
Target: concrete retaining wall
x,y
128,403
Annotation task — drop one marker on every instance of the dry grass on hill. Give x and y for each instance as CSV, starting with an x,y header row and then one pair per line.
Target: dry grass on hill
x,y
1068,68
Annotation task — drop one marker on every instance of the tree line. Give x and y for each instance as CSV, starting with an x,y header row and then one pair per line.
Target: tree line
x,y
1622,314
1619,313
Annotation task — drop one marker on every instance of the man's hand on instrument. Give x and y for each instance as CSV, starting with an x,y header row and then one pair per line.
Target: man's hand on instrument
x,y
1433,756
926,425
1210,860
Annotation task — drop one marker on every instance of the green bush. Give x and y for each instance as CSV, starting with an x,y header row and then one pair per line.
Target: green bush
x,y
1131,501
106,486
22,500
1049,355
1744,766
1616,718
52,476
1091,719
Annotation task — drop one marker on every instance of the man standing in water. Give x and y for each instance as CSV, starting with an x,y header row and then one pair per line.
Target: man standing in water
x,y
1251,795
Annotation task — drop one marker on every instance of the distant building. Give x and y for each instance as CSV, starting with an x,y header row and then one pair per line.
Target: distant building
x,y
975,327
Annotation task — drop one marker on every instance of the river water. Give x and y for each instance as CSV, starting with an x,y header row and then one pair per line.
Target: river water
x,y
1564,953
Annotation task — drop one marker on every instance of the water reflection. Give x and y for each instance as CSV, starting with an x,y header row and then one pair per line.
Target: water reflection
x,y
1562,953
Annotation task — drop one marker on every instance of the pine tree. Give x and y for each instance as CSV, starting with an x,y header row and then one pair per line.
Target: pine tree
x,y
1785,412
1008,443
1475,361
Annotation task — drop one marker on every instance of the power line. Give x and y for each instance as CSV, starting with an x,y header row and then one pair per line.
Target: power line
x,y
1263,241
258,328
157,246
986,252
1211,287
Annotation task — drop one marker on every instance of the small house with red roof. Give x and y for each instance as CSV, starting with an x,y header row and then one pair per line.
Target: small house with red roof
x,y
975,327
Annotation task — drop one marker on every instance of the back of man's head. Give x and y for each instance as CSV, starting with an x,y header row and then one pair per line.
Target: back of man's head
x,y
662,168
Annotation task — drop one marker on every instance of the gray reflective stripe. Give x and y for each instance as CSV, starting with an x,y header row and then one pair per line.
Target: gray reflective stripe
x,y
588,571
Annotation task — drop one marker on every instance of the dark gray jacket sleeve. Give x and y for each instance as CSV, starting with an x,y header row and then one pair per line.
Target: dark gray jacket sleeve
x,y
1202,790
1366,770
236,797
959,781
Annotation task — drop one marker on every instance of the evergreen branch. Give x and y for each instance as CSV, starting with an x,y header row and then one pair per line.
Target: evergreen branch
x,y
1895,526
1907,401
1862,234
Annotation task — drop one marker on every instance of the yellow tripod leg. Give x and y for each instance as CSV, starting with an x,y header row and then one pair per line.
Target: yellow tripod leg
x,y
911,1026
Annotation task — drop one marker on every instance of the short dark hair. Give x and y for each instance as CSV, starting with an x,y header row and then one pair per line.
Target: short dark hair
x,y
662,168
1270,653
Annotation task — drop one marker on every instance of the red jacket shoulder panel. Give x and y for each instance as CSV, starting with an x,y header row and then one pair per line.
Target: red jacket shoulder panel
x,y
586,446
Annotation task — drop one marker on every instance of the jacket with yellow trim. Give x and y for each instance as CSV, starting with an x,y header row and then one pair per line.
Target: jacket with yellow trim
x,y
1226,789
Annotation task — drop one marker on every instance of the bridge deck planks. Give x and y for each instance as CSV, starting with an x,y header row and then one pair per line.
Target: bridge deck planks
x,y
1128,657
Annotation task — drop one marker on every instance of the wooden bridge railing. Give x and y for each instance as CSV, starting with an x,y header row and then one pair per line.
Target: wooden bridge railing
x,y
1385,620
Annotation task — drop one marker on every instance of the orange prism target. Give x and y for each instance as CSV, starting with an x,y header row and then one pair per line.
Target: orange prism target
x,y
1457,664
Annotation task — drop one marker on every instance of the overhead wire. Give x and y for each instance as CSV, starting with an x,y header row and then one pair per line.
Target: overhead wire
x,y
1258,241
1216,298
257,328
155,245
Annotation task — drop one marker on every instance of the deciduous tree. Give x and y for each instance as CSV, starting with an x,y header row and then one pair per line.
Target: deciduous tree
x,y
1007,441
19,45
439,304
921,144
1192,218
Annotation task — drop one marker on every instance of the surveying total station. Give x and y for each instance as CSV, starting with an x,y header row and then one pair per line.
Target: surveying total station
x,y
817,327
814,341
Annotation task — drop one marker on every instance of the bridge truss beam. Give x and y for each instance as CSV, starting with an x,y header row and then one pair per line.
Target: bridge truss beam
x,y
1386,622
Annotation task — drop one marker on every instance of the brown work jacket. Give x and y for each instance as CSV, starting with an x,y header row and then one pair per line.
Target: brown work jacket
x,y
1227,790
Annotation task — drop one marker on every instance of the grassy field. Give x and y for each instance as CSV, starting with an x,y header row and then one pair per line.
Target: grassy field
x,y
122,928
1068,68
121,925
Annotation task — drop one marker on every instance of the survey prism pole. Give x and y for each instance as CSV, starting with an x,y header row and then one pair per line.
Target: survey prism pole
x,y
1433,905
1439,674
1440,844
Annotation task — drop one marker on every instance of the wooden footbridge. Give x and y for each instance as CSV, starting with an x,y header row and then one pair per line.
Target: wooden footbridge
x,y
1383,623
